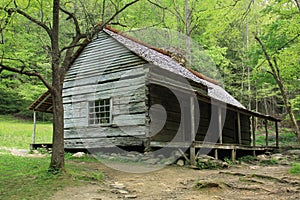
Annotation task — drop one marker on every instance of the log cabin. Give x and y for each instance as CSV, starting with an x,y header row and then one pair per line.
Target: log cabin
x,y
122,92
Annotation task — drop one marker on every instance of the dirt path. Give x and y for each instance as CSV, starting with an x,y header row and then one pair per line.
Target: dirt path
x,y
242,182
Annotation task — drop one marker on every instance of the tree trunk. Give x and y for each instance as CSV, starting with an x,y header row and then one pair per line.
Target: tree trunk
x,y
57,159
276,74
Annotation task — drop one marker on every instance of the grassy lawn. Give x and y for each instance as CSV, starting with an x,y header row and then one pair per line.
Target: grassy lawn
x,y
27,178
16,133
286,137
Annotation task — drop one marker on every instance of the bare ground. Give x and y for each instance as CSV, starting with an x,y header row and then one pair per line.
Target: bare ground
x,y
173,182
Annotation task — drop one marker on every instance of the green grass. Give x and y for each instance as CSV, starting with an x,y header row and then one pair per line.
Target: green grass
x,y
295,169
286,137
17,134
27,178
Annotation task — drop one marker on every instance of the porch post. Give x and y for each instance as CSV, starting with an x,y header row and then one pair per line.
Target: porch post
x,y
239,128
34,127
277,134
267,133
253,131
220,125
193,134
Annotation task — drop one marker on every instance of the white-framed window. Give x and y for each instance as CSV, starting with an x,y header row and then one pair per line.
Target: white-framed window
x,y
100,112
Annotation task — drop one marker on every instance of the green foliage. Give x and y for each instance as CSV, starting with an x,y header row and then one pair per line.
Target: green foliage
x,y
247,159
228,161
272,161
16,133
209,164
295,169
286,137
28,178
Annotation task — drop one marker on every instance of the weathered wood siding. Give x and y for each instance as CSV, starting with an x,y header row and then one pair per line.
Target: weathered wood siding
x,y
105,69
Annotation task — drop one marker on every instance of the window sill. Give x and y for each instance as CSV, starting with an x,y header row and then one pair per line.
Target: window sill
x,y
103,125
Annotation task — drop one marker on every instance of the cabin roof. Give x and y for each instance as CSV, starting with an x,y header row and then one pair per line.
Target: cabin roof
x,y
160,58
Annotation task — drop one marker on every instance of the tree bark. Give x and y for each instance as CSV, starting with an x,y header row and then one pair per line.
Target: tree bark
x,y
298,5
276,74
57,159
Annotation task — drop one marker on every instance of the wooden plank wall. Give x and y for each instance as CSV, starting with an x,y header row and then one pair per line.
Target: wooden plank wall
x,y
105,69
166,98
230,127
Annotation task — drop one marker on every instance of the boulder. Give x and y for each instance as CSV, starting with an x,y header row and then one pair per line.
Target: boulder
x,y
180,162
78,155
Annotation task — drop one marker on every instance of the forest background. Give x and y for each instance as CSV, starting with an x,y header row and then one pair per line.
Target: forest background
x,y
225,29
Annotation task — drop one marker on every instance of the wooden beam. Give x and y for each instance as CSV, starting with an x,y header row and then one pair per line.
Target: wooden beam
x,y
267,133
239,128
34,127
277,134
253,131
220,125
193,132
37,106
233,155
216,154
236,109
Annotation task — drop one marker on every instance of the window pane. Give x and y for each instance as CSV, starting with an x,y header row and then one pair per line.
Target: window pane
x,y
99,111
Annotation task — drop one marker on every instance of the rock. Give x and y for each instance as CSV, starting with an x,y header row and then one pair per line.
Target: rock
x,y
205,157
278,156
117,185
114,155
152,161
262,157
133,159
225,165
119,191
168,161
202,185
123,192
133,154
284,162
78,155
294,152
255,167
130,196
180,162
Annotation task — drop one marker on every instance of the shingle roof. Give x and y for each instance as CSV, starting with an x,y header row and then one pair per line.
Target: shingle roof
x,y
158,58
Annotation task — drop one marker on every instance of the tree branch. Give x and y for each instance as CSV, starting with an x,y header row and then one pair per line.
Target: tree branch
x,y
117,13
281,47
157,5
298,5
27,73
263,48
76,23
30,18
70,47
247,10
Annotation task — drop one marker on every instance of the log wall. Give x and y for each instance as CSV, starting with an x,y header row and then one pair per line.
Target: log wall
x,y
105,69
